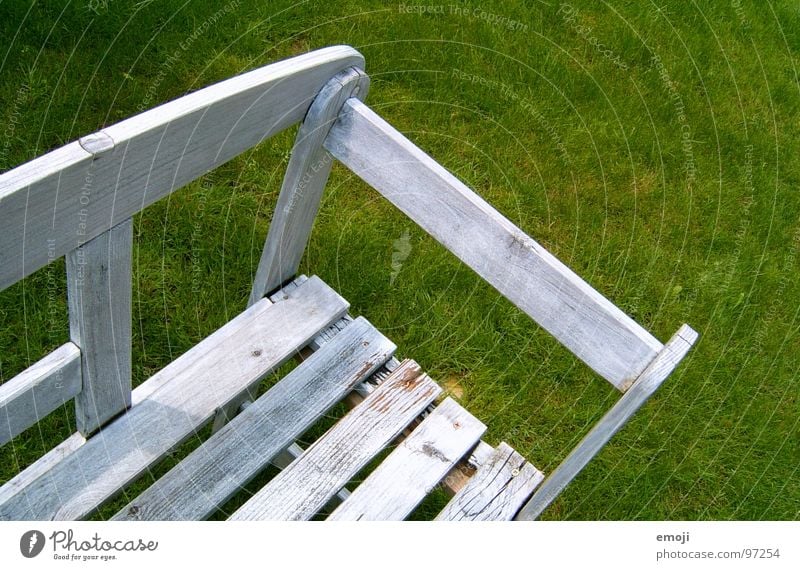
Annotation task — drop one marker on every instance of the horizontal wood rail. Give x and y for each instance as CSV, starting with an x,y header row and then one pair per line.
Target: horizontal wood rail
x,y
35,392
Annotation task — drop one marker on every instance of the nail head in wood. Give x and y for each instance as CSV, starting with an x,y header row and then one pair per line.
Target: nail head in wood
x,y
97,143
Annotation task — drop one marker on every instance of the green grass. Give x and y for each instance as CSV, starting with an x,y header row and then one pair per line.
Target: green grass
x,y
583,149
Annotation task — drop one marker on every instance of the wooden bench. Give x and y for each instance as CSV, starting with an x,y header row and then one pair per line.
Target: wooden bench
x,y
78,201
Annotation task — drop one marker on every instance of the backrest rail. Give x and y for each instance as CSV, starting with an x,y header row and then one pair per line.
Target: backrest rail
x,y
38,390
52,204
587,323
99,299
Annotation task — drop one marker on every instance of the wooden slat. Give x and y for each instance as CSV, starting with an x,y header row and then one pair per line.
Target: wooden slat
x,y
99,285
247,348
497,490
305,179
54,203
306,485
285,457
612,422
415,467
584,321
229,411
461,473
41,466
38,390
219,468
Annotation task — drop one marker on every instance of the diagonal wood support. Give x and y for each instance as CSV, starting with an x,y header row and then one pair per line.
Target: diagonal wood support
x,y
298,202
524,272
301,192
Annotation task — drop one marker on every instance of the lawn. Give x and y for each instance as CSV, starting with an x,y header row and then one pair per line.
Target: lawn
x,y
653,147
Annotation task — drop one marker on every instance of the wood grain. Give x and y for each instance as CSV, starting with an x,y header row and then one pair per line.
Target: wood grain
x,y
584,321
219,468
41,466
414,467
99,285
497,490
285,457
305,486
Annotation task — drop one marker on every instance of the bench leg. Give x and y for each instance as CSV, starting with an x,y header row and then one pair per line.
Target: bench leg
x,y
100,324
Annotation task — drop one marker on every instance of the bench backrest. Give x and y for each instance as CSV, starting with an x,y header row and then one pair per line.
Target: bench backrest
x,y
77,201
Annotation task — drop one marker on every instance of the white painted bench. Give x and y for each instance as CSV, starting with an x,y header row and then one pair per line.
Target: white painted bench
x,y
95,186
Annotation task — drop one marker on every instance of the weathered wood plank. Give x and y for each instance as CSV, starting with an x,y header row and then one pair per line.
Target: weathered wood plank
x,y
644,387
462,472
415,467
197,383
225,414
584,321
363,389
306,485
285,457
99,283
38,390
219,468
497,490
54,203
303,183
